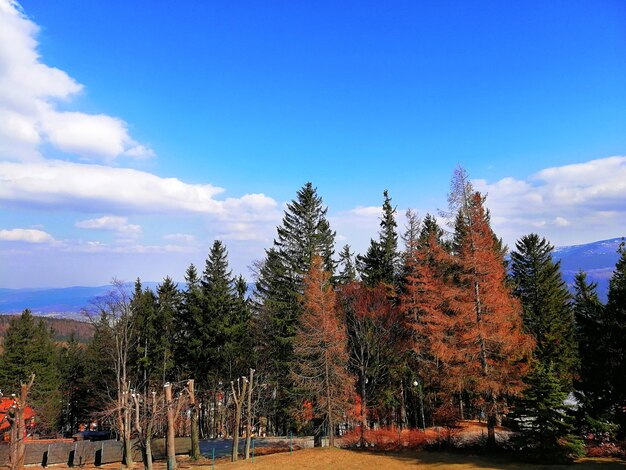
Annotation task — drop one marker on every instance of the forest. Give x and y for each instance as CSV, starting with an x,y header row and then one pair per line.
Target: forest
x,y
435,323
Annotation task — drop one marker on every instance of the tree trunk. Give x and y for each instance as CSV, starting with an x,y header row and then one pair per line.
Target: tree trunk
x,y
128,443
195,431
329,410
15,416
363,408
491,429
238,396
249,416
171,436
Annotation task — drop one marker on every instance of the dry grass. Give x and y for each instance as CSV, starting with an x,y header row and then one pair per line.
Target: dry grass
x,y
333,459
338,459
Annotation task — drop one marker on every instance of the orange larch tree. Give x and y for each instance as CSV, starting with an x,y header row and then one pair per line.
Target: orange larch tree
x,y
488,353
320,346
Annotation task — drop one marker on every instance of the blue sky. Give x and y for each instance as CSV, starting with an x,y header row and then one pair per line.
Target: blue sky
x,y
132,134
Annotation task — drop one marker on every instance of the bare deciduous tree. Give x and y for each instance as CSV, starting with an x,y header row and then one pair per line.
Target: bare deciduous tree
x,y
113,313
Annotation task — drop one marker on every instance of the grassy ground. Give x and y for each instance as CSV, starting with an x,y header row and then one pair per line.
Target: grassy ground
x,y
334,459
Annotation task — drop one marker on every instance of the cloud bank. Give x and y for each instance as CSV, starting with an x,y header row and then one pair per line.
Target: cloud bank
x,y
30,92
568,204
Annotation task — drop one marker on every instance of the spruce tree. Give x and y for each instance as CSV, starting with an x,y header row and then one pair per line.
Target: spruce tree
x,y
218,302
615,339
304,233
74,386
29,349
189,330
168,305
347,273
548,315
143,357
380,262
592,387
544,419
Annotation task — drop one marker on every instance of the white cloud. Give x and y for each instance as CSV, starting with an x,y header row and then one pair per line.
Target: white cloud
x,y
29,93
180,237
568,204
368,212
112,223
26,235
95,188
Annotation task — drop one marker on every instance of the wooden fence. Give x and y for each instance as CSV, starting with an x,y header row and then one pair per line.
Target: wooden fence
x,y
80,453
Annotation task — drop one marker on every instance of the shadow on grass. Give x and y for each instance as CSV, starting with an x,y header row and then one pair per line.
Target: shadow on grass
x,y
498,460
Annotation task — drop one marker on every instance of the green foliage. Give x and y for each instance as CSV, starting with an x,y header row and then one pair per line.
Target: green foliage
x,y
380,262
348,270
547,313
615,340
74,386
544,421
304,233
29,349
592,387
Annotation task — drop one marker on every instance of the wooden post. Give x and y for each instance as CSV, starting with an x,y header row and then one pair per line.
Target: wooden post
x,y
170,440
195,431
249,416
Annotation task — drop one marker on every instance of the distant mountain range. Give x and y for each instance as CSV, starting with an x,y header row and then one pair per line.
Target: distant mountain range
x,y
597,259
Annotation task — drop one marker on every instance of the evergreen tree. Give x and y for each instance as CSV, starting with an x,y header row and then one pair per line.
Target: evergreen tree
x,y
430,227
277,310
348,270
303,234
545,424
74,387
143,357
616,332
168,304
545,300
29,349
380,262
218,295
592,387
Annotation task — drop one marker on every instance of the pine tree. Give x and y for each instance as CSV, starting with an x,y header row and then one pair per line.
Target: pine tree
x,y
29,349
74,386
188,330
545,424
218,303
143,357
592,387
548,315
616,329
304,233
168,304
321,361
348,270
380,262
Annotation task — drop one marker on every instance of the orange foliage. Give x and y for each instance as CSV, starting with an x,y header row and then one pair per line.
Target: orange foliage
x,y
390,438
320,347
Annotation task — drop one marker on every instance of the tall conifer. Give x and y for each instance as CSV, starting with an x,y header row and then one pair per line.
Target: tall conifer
x,y
548,315
380,262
